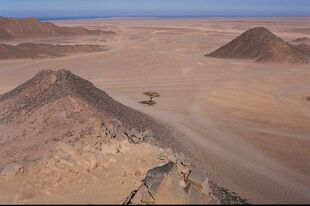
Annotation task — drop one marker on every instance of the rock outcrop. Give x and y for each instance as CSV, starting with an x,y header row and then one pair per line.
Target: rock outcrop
x,y
56,105
173,183
263,46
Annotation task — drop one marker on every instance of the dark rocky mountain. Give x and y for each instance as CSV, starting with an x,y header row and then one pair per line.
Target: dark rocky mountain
x,y
302,40
54,105
263,46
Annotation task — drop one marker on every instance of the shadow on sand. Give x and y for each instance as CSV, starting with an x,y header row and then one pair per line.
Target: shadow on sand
x,y
150,103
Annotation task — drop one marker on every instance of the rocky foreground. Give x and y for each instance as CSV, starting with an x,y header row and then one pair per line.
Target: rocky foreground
x,y
64,141
123,165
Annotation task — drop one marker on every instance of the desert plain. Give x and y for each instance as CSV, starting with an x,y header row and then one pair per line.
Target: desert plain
x,y
246,123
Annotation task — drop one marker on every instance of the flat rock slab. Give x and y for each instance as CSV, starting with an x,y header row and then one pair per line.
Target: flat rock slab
x,y
170,191
197,177
155,176
193,195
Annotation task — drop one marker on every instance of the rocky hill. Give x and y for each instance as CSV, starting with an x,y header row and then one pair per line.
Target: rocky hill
x,y
34,51
263,46
302,40
58,104
305,48
62,140
11,28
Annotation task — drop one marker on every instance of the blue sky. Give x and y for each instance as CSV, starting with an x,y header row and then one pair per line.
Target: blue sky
x,y
66,8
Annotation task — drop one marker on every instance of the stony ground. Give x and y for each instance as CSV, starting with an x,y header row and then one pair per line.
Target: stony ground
x,y
109,167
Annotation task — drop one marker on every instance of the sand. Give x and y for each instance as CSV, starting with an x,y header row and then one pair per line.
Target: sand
x,y
246,123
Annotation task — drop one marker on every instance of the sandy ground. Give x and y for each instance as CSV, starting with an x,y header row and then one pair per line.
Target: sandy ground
x,y
247,123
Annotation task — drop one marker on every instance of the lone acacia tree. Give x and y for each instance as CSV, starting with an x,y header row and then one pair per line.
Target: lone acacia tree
x,y
152,95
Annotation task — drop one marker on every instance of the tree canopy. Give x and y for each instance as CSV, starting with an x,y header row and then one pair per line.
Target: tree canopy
x,y
152,94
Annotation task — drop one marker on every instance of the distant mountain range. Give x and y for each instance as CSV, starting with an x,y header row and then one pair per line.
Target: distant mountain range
x,y
12,28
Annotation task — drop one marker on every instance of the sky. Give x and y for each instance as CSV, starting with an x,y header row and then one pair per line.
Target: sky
x,y
136,8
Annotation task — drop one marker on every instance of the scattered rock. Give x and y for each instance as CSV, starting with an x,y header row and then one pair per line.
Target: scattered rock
x,y
138,173
224,196
136,137
12,169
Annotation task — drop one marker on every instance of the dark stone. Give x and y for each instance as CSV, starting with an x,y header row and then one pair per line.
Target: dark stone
x,y
196,177
225,196
155,176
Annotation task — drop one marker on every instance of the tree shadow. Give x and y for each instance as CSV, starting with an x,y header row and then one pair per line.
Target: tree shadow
x,y
148,102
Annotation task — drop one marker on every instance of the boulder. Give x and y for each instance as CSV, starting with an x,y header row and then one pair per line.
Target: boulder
x,y
205,187
155,176
147,190
196,177
170,191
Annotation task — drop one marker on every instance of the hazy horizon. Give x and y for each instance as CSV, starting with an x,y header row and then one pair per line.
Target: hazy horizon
x,y
153,8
